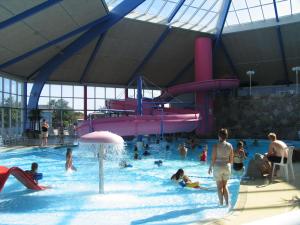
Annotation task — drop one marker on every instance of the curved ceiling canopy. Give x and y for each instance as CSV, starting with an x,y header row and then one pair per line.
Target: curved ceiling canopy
x,y
202,15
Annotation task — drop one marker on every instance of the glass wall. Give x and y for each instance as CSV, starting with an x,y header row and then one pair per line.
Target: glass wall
x,y
11,95
64,104
59,104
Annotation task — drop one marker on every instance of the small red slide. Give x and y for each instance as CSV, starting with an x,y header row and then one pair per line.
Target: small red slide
x,y
18,173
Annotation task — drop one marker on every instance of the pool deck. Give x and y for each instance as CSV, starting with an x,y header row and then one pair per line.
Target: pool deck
x,y
260,200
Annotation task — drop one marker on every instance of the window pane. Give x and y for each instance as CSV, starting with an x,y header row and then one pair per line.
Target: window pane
x,y
45,91
91,92
13,87
155,7
67,103
44,103
110,93
14,117
55,90
67,91
187,15
78,91
148,93
20,100
269,12
239,4
256,14
13,100
0,84
1,113
120,93
131,93
156,93
78,103
100,92
283,8
243,16
232,19
253,3
91,104
20,88
29,87
7,99
53,103
6,85
295,6
100,104
1,99
6,117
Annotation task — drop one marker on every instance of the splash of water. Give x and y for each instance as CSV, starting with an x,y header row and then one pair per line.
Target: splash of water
x,y
112,152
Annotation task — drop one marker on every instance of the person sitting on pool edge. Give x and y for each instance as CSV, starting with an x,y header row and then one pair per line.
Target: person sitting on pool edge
x,y
33,172
69,161
184,180
239,156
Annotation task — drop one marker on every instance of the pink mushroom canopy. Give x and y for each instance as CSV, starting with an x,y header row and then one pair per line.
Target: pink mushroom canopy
x,y
104,137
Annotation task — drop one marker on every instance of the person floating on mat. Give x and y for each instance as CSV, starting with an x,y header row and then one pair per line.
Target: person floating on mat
x,y
184,180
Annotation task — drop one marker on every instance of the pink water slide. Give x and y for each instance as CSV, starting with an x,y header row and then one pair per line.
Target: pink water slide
x,y
173,120
143,125
200,86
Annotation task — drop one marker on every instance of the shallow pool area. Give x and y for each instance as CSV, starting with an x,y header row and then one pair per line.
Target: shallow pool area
x,y
142,194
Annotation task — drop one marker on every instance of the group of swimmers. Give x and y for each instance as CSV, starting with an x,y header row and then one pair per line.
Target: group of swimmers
x,y
223,156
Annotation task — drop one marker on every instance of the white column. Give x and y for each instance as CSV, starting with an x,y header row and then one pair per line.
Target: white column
x,y
101,171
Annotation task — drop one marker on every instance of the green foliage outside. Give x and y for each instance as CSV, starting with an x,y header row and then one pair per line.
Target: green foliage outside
x,y
62,112
11,106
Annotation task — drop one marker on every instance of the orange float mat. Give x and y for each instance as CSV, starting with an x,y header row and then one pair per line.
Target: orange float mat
x,y
21,176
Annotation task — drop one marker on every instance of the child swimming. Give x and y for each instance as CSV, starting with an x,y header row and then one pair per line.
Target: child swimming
x,y
69,161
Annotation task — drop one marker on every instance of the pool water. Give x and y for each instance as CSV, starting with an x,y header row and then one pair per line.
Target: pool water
x,y
142,194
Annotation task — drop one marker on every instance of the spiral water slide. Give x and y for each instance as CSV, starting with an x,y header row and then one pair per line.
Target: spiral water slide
x,y
170,121
153,120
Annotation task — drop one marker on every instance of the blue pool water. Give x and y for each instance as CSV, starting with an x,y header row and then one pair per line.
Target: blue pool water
x,y
142,194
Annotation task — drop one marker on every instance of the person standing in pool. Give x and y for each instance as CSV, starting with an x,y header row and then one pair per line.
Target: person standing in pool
x,y
135,153
203,155
239,156
69,160
182,151
45,127
222,158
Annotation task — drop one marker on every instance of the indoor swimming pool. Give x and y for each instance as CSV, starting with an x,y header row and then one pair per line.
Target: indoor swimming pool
x,y
142,194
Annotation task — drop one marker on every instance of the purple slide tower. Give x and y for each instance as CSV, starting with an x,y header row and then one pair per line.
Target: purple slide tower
x,y
203,72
